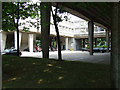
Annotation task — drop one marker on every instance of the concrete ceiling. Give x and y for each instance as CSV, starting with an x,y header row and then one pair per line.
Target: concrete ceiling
x,y
99,13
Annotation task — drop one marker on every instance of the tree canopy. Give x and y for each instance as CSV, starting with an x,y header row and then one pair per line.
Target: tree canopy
x,y
10,15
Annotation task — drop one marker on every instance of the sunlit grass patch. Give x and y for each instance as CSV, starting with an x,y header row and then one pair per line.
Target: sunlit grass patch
x,y
43,73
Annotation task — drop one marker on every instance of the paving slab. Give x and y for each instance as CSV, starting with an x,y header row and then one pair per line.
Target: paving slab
x,y
84,56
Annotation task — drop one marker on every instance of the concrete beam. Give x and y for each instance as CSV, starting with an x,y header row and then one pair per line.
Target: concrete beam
x,y
87,14
115,53
90,36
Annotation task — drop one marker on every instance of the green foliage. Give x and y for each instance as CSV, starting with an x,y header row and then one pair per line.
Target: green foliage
x,y
103,46
101,41
38,43
10,15
61,10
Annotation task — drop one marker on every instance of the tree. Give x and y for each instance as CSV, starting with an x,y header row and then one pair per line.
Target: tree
x,y
57,32
58,19
9,17
16,11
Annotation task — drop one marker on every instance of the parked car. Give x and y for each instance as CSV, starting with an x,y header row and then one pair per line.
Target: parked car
x,y
84,49
100,49
26,49
36,49
11,51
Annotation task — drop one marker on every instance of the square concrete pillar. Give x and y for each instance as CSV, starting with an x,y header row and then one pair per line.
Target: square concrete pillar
x,y
107,40
66,43
30,42
90,36
0,61
95,42
3,40
115,52
83,43
0,43
74,44
15,39
80,44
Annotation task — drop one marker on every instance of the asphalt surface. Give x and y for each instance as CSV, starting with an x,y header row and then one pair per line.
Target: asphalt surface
x,y
103,58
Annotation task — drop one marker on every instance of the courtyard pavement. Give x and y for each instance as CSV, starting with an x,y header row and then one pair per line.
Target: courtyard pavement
x,y
103,58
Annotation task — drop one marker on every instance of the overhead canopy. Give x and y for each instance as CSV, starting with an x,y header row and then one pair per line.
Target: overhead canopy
x,y
98,12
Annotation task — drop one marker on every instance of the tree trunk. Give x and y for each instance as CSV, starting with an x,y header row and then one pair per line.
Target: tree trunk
x,y
18,49
59,44
45,28
58,36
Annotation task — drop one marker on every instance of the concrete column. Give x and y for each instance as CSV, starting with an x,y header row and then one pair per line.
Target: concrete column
x,y
15,39
0,59
30,42
20,38
115,52
3,41
107,40
74,44
45,28
83,45
0,47
95,42
0,43
90,36
66,43
80,42
53,41
56,44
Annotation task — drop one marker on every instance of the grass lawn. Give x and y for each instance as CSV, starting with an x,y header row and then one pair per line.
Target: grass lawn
x,y
43,73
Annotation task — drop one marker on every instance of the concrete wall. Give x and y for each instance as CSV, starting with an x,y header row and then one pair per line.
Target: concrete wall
x,y
24,41
78,44
63,43
9,40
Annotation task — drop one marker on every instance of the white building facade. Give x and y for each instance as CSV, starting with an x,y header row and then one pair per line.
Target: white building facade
x,y
71,33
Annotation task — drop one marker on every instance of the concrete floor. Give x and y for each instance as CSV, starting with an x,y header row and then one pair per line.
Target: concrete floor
x,y
74,56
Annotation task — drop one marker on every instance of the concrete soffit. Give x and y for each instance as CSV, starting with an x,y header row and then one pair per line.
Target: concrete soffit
x,y
88,15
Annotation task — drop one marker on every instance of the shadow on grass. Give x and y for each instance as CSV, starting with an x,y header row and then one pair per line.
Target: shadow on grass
x,y
44,73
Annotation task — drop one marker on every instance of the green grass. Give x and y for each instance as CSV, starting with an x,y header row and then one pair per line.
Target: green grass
x,y
44,73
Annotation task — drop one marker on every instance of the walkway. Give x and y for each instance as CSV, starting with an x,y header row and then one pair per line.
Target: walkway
x,y
74,56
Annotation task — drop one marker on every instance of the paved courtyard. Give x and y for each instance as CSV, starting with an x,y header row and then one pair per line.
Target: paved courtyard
x,y
74,56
